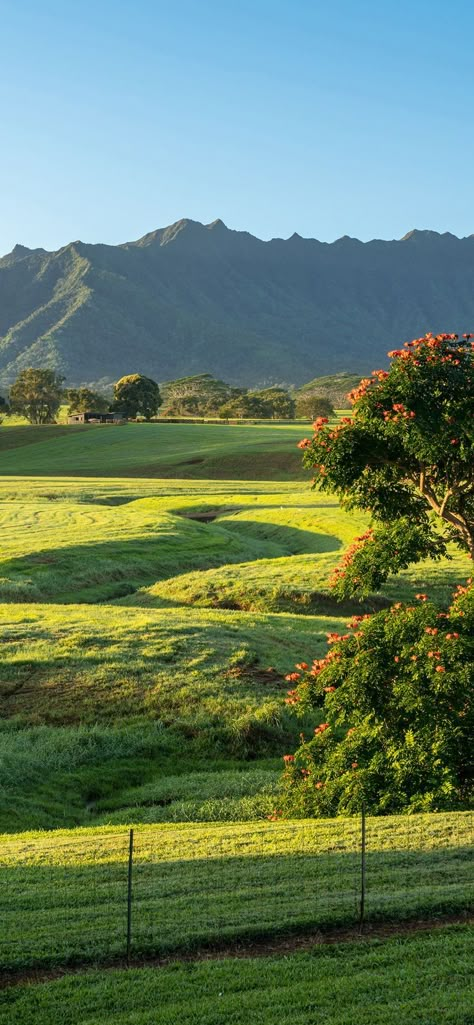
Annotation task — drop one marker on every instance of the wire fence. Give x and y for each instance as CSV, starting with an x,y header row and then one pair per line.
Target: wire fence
x,y
102,894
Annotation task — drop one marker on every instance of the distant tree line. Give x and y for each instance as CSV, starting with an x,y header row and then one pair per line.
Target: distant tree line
x,y
38,393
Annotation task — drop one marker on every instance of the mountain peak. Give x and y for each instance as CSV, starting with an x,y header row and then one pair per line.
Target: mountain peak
x,y
217,224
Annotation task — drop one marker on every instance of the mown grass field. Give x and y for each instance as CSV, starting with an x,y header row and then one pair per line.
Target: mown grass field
x,y
226,452
156,585
64,894
417,980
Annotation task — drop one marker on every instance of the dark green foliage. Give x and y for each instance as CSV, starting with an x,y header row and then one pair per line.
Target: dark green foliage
x,y
394,702
246,406
311,404
278,402
268,404
136,395
193,296
200,395
84,400
4,407
396,696
36,394
335,387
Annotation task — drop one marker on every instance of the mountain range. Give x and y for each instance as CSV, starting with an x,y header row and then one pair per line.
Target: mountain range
x,y
194,297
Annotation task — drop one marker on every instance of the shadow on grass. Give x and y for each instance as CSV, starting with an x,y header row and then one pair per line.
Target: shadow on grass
x,y
77,911
56,572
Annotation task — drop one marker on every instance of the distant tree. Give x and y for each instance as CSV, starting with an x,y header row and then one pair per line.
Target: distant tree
x,y
247,406
310,405
280,405
4,408
83,400
136,395
37,394
200,395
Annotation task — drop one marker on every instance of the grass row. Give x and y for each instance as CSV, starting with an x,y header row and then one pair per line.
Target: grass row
x,y
64,895
417,980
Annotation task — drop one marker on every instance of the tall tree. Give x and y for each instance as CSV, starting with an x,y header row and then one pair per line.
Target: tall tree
x,y
246,406
312,405
36,394
200,395
394,693
279,403
136,395
4,407
83,400
407,456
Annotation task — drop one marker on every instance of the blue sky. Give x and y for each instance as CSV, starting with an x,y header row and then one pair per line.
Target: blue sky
x,y
326,118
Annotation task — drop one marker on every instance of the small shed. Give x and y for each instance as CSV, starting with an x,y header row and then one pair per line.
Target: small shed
x,y
96,418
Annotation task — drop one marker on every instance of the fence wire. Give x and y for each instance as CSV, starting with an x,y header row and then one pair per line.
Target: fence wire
x,y
82,898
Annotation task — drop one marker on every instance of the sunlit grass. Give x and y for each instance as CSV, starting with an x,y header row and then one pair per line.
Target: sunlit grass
x,y
64,894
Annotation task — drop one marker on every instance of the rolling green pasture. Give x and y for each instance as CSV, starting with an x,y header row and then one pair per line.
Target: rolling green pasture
x,y
64,893
229,452
423,979
182,603
157,582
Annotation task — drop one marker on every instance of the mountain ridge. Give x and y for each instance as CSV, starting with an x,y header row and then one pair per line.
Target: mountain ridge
x,y
191,297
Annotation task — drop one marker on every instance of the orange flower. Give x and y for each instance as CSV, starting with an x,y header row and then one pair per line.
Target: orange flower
x,y
440,669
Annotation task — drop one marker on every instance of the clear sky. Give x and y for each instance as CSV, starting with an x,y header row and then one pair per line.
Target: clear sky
x,y
325,117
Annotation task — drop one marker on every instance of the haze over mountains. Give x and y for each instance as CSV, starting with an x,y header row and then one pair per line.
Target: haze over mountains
x,y
194,297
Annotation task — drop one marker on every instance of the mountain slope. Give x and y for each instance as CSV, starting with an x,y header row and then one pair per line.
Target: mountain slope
x,y
193,297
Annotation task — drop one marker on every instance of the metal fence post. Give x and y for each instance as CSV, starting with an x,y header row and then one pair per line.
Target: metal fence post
x,y
129,895
362,867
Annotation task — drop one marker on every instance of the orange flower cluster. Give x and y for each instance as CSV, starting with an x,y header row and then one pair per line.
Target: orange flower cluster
x,y
304,443
276,814
361,390
340,571
356,620
288,759
421,597
293,698
321,728
398,412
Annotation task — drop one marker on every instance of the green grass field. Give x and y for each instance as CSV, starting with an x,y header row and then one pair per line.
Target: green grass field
x,y
418,980
64,894
157,582
187,602
154,450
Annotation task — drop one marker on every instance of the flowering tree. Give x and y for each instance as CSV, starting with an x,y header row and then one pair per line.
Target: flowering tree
x,y
406,455
395,698
395,693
